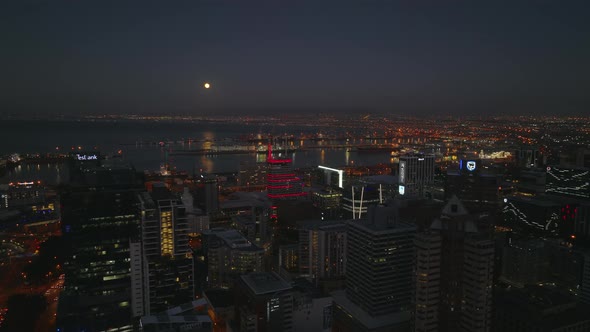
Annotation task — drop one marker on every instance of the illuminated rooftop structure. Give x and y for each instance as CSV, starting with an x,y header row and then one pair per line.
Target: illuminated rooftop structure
x,y
568,182
281,180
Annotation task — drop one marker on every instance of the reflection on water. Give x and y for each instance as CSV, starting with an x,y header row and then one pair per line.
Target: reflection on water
x,y
207,164
48,173
138,143
151,158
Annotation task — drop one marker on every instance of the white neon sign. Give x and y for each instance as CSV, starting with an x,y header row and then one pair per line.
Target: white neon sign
x,y
339,171
87,157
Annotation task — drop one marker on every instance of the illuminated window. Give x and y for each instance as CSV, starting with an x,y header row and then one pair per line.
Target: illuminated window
x,y
166,233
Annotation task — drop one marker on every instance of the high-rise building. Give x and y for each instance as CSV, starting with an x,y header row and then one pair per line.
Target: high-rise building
x,y
252,213
264,302
166,273
357,198
415,172
281,179
565,263
98,221
546,215
207,193
539,308
524,262
322,249
312,308
585,292
475,184
252,175
478,271
99,226
454,274
19,194
328,202
529,157
568,182
582,221
427,296
196,219
532,214
289,257
229,254
379,269
575,158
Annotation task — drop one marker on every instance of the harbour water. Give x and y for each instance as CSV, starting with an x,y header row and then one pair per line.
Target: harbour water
x,y
135,141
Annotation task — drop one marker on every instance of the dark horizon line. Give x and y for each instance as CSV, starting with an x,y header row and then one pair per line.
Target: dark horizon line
x,y
285,113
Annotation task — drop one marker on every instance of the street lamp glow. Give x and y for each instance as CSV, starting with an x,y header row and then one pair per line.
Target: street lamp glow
x,y
207,85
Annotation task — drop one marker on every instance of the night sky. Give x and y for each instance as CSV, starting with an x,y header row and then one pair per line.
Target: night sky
x,y
418,57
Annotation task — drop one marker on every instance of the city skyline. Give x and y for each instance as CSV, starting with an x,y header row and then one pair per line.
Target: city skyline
x,y
294,166
266,58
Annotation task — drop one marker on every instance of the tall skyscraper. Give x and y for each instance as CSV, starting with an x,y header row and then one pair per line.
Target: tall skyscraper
x,y
454,274
524,262
585,292
427,296
207,194
415,172
478,271
98,220
475,185
166,261
322,249
378,293
281,179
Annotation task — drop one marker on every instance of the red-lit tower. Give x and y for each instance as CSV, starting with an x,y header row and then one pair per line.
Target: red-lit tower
x,y
281,180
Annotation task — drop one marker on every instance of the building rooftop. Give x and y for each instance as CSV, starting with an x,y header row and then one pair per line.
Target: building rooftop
x,y
371,322
381,179
541,200
246,199
265,282
233,239
381,220
219,298
454,208
321,224
147,200
544,305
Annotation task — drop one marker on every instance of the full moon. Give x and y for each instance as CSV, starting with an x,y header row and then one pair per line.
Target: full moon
x,y
207,85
